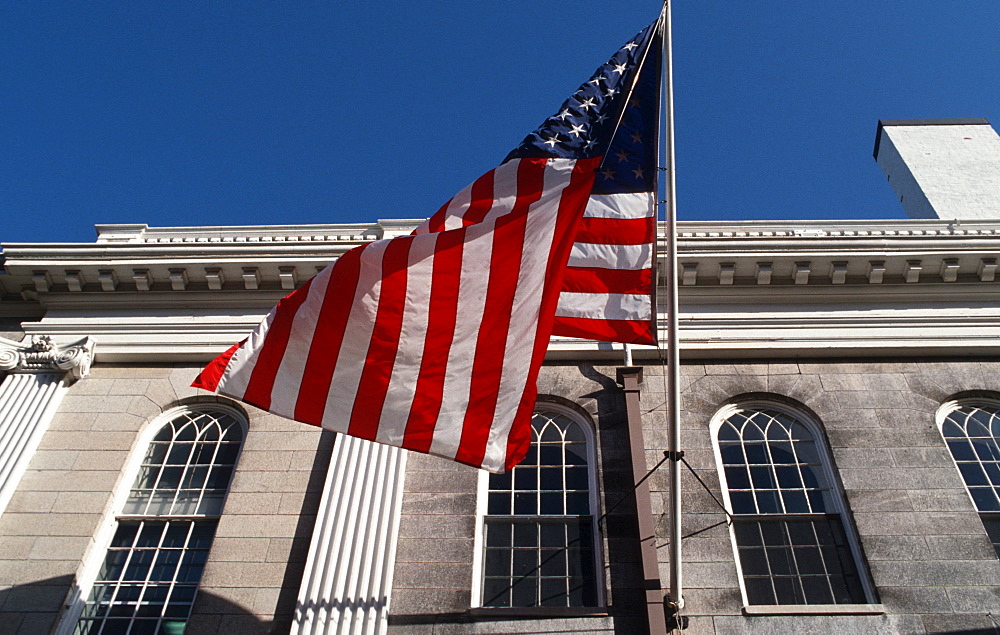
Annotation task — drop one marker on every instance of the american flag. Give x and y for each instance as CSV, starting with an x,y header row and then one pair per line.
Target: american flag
x,y
433,341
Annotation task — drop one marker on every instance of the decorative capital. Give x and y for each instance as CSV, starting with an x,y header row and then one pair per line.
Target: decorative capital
x,y
40,354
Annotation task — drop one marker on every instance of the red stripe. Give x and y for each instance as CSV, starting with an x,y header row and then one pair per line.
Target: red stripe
x,y
374,382
597,280
616,231
632,332
482,200
208,378
571,206
491,343
436,222
441,317
324,349
272,350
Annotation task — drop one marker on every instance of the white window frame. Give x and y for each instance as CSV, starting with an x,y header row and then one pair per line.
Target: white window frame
x,y
482,496
94,558
836,497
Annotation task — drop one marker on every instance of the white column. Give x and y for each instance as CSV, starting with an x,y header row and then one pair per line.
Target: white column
x,y
348,574
39,373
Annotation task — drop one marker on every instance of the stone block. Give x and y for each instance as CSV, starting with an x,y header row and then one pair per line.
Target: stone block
x,y
69,548
713,602
239,549
709,575
436,526
288,549
913,599
938,573
434,550
895,548
81,502
252,503
266,461
424,601
923,457
941,500
960,548
974,599
427,481
91,386
439,503
968,624
35,598
432,575
918,523
63,421
253,526
49,524
22,501
878,500
862,458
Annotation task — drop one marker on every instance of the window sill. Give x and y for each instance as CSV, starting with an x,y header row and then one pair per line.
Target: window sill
x,y
814,609
537,612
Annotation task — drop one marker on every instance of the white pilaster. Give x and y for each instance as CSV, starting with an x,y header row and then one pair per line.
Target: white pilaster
x,y
38,374
348,573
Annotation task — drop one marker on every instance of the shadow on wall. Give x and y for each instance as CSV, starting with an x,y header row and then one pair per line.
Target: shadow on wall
x,y
29,609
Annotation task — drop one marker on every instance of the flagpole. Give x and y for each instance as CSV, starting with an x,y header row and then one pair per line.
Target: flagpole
x,y
676,602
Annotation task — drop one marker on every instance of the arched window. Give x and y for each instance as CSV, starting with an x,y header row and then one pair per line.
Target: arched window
x,y
539,529
793,541
150,573
971,429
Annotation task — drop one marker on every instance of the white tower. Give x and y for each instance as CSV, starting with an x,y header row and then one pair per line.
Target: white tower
x,y
942,168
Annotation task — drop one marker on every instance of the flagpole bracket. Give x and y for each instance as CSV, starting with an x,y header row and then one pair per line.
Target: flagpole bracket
x,y
674,456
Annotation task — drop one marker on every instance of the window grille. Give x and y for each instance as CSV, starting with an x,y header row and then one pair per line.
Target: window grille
x,y
971,430
793,544
150,574
540,528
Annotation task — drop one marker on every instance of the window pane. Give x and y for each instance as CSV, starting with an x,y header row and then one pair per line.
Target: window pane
x,y
150,573
544,556
780,473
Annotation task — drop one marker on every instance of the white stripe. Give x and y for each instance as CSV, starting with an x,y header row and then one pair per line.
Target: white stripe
x,y
631,257
357,336
457,208
288,378
605,306
504,190
236,375
627,205
473,284
403,380
523,330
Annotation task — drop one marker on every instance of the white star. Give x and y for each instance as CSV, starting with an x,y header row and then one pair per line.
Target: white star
x,y
590,144
576,130
611,92
636,137
601,119
607,174
565,113
588,103
597,80
620,68
552,141
622,156
630,46
638,172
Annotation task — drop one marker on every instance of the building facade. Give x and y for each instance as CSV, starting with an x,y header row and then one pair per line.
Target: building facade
x,y
840,400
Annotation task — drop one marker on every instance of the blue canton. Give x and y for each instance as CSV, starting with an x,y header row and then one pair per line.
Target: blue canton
x,y
585,125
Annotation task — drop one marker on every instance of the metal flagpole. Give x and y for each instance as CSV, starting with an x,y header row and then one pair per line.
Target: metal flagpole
x,y
676,602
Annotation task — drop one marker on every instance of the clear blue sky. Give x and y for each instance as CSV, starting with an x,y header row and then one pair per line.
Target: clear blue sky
x,y
204,113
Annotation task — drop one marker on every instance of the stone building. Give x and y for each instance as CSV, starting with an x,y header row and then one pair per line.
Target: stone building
x,y
840,412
